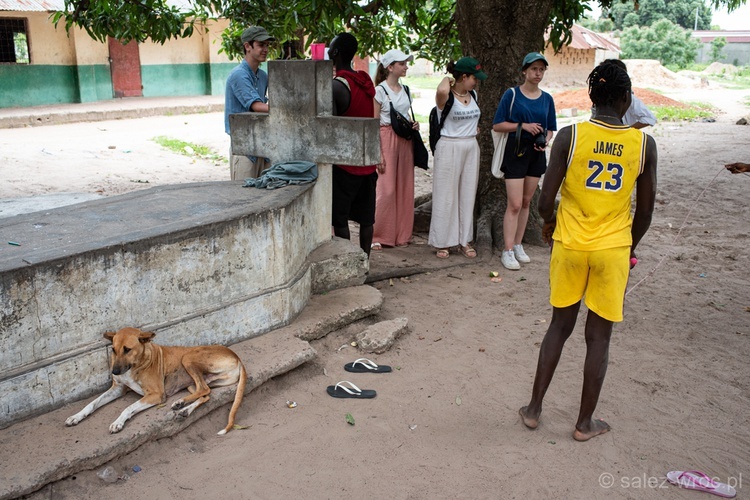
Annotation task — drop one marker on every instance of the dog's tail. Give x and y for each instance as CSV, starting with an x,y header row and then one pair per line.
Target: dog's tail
x,y
237,399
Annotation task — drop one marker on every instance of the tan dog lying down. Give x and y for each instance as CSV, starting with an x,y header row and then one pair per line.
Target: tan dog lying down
x,y
157,372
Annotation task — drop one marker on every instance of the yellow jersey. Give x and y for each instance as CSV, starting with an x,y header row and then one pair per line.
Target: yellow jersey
x,y
604,162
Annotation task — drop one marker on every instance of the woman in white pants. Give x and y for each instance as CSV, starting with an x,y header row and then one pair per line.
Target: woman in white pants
x,y
456,166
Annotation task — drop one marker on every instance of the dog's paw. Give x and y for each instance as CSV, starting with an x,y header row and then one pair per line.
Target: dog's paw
x,y
71,421
116,427
179,404
183,413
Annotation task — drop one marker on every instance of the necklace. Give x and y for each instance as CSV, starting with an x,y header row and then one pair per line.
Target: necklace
x,y
460,95
608,116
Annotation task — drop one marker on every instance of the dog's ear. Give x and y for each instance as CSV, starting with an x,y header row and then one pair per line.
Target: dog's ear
x,y
109,335
145,337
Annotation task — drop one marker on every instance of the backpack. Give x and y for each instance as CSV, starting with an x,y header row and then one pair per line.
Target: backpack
x,y
436,123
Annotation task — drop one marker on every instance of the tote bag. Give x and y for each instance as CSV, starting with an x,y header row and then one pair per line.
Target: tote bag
x,y
500,139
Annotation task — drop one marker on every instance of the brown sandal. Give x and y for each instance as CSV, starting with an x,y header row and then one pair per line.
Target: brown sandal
x,y
468,252
442,253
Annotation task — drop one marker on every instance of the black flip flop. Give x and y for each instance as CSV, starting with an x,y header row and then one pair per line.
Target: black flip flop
x,y
341,391
364,365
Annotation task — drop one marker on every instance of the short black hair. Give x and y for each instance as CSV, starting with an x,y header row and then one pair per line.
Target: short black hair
x,y
607,83
616,62
346,46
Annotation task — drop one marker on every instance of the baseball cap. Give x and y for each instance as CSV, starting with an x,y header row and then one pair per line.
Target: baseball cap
x,y
470,66
394,55
256,34
532,57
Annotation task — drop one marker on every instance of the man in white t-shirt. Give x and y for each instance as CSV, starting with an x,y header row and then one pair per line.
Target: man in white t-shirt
x,y
637,115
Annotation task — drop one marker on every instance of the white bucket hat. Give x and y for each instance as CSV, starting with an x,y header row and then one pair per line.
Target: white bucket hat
x,y
394,55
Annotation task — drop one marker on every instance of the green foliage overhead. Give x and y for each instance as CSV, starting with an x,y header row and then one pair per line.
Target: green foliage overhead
x,y
663,40
126,20
426,28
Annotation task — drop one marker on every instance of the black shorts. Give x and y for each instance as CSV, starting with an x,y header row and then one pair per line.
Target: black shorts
x,y
531,163
353,198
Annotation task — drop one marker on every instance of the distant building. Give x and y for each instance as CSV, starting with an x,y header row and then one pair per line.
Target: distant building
x,y
41,64
736,51
574,62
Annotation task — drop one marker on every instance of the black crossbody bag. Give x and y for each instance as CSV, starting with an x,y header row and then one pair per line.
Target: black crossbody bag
x,y
401,124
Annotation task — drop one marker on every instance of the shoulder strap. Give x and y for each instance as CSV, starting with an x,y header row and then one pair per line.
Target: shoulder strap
x,y
474,95
344,81
446,108
386,92
408,94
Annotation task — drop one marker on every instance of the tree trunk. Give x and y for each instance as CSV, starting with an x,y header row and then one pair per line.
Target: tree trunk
x,y
499,33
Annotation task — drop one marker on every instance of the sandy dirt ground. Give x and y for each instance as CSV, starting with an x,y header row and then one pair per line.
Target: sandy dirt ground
x,y
444,423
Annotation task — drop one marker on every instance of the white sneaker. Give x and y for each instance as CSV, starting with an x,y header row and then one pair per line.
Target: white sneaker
x,y
509,260
520,254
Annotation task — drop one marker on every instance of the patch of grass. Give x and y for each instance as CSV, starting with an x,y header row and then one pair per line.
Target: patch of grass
x,y
696,111
690,67
736,84
189,149
739,79
423,82
423,119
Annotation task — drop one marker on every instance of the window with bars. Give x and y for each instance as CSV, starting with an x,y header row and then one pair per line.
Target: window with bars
x,y
14,44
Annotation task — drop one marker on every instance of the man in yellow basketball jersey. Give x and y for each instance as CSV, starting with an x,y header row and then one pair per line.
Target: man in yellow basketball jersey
x,y
597,165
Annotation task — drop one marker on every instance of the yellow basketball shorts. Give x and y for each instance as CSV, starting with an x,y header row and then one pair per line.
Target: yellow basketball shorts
x,y
601,276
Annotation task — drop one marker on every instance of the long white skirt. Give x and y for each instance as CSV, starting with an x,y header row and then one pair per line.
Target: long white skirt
x,y
454,189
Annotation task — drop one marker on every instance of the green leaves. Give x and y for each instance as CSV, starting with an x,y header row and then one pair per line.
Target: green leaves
x,y
425,28
664,41
127,20
680,12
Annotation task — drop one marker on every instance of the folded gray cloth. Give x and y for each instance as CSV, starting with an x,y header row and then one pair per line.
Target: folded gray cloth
x,y
284,174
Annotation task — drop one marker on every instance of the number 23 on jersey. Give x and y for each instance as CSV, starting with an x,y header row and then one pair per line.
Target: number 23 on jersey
x,y
601,177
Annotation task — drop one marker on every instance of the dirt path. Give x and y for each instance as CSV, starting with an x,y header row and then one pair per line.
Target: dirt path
x,y
444,423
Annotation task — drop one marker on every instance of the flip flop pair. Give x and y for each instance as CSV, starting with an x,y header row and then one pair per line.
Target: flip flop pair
x,y
346,389
699,481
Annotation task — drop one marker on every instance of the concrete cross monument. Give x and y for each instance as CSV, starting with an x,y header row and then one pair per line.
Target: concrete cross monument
x,y
301,126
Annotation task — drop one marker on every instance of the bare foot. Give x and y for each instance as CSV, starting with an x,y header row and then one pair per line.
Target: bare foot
x,y
594,428
529,420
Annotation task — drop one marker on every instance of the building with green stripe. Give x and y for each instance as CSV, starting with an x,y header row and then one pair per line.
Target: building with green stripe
x,y
41,64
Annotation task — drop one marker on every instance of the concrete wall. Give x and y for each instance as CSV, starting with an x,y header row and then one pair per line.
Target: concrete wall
x,y
734,53
196,263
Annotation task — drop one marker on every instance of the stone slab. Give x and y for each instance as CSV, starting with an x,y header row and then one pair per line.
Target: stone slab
x,y
379,337
197,263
